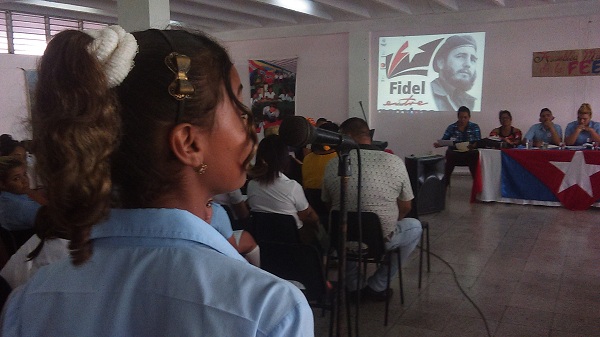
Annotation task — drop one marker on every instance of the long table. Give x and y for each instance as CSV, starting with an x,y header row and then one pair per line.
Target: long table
x,y
495,179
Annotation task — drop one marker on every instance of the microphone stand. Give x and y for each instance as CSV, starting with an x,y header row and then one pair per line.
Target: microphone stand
x,y
344,172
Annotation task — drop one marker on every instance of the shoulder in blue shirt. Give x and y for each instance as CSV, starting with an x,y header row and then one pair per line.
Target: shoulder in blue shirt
x,y
157,272
17,211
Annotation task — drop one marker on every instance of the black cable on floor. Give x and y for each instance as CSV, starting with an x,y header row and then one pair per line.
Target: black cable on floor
x,y
487,328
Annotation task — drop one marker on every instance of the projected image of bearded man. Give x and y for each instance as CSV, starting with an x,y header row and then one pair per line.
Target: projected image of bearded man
x,y
455,62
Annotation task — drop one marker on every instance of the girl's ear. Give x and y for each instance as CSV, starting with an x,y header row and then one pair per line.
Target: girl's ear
x,y
187,144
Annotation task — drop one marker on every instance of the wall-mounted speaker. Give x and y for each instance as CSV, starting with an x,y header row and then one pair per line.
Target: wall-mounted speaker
x,y
427,179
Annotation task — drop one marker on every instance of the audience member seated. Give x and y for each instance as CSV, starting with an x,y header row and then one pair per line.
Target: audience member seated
x,y
460,132
13,148
320,121
156,141
313,169
506,132
236,202
241,240
584,129
545,131
17,209
32,256
386,191
272,191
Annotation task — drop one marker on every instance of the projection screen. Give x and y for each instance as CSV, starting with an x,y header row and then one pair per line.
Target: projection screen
x,y
428,73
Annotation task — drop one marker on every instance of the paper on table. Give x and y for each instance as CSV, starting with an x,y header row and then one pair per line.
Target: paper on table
x,y
462,146
445,142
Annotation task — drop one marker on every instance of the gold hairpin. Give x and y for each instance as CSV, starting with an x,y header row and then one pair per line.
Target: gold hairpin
x,y
181,88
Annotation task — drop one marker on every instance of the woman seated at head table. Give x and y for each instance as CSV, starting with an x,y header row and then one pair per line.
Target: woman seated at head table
x,y
584,129
506,132
272,191
17,209
130,174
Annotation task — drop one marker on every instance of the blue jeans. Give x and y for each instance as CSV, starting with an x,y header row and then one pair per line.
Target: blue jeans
x,y
407,236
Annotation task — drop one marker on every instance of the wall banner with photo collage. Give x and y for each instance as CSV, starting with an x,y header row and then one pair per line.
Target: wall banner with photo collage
x,y
272,92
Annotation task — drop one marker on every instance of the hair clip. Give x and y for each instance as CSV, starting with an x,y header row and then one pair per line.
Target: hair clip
x,y
181,88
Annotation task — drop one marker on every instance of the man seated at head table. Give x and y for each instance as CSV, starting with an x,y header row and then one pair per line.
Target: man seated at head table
x,y
545,131
584,129
461,131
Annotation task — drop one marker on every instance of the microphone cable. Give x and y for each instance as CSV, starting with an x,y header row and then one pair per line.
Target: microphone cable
x,y
485,322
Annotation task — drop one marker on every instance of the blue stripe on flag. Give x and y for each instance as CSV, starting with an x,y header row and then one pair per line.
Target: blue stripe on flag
x,y
518,183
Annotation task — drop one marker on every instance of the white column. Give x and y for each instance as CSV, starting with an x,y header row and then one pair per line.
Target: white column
x,y
358,73
135,15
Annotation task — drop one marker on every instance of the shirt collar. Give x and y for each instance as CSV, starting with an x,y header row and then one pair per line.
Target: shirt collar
x,y
162,223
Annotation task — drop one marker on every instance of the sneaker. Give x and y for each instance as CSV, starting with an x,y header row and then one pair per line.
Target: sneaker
x,y
378,296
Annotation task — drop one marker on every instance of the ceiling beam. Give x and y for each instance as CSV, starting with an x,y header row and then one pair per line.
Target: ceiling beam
x,y
448,4
398,5
248,9
347,7
211,13
300,6
190,20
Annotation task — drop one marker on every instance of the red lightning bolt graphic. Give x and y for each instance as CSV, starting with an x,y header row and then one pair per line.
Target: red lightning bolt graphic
x,y
400,55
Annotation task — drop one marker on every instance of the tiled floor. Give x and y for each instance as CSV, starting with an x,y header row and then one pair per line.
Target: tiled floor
x,y
532,270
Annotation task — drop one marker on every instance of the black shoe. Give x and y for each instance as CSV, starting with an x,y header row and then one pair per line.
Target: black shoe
x,y
352,296
378,296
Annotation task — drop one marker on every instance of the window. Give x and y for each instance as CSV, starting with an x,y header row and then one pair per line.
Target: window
x,y
3,33
22,33
29,34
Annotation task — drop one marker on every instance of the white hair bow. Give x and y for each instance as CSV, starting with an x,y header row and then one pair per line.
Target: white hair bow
x,y
115,49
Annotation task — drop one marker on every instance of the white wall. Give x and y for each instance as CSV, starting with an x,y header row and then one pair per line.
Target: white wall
x,y
13,102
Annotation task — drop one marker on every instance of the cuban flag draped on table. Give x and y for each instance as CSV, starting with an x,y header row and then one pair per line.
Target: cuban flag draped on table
x,y
571,177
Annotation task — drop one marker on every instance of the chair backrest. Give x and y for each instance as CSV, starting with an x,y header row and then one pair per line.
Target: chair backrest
x,y
372,234
273,227
298,262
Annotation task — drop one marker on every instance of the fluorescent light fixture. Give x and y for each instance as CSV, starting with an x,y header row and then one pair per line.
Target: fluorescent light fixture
x,y
302,6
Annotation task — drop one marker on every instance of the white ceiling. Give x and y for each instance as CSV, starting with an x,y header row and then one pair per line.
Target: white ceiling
x,y
226,16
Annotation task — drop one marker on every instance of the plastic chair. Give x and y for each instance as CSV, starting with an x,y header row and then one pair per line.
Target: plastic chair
x,y
301,263
273,227
374,248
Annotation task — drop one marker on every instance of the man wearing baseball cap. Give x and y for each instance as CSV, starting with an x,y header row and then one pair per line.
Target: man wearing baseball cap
x,y
455,63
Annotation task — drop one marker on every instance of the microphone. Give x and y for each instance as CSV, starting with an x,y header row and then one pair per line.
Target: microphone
x,y
296,131
363,109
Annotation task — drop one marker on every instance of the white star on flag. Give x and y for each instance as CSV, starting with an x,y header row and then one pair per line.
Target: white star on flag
x,y
577,172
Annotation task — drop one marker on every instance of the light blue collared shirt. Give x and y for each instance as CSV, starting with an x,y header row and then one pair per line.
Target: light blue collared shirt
x,y
538,132
583,136
220,221
157,272
17,211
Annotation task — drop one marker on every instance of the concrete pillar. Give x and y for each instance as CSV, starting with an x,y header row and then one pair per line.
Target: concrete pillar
x,y
358,73
135,15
